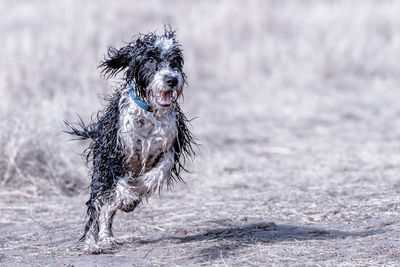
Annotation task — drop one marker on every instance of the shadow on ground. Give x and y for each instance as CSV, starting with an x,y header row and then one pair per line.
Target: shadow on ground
x,y
226,239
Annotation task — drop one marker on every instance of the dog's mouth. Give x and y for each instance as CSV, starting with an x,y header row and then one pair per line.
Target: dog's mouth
x,y
164,98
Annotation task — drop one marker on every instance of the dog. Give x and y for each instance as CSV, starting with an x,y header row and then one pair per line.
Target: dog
x,y
141,140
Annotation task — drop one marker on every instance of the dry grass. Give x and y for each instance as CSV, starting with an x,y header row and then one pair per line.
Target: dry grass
x,y
299,120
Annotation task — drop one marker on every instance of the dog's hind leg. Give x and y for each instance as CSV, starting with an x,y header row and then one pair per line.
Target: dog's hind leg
x,y
90,237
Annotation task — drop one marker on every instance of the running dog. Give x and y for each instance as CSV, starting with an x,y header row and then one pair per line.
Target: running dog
x,y
140,141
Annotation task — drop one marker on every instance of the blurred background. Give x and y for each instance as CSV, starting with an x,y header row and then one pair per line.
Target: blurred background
x,y
256,70
298,101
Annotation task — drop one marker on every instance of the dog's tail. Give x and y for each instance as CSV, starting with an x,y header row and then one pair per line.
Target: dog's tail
x,y
82,131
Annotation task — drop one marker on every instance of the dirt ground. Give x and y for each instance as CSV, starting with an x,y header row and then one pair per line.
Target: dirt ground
x,y
299,125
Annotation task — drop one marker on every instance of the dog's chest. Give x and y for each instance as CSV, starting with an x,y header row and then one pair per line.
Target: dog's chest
x,y
144,137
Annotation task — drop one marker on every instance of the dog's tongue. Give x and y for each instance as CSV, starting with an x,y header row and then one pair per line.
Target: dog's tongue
x,y
165,98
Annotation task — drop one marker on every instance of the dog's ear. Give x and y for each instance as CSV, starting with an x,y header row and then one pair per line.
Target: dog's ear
x,y
116,60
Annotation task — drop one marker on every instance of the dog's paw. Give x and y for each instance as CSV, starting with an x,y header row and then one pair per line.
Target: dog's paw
x,y
92,248
108,242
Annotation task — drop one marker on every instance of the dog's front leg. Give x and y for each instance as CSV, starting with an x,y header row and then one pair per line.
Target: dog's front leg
x,y
98,235
154,178
106,216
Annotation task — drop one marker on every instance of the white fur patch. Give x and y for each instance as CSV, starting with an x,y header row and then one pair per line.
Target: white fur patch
x,y
165,43
147,141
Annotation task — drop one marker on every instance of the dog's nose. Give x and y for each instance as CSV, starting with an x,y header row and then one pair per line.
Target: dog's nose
x,y
171,80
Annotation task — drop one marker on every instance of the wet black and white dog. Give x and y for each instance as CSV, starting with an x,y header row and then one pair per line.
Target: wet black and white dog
x,y
140,140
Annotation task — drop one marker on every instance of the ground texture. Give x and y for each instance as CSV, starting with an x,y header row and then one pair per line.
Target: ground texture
x,y
299,121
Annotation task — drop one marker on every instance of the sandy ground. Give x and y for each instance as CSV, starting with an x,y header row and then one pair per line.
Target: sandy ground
x,y
248,202
299,125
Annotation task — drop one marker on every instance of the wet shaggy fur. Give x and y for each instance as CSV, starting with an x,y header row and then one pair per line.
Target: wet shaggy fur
x,y
134,152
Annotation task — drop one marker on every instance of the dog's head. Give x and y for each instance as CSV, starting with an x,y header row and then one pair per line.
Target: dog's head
x,y
153,65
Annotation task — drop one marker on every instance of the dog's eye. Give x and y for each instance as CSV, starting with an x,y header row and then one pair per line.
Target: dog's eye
x,y
151,60
175,63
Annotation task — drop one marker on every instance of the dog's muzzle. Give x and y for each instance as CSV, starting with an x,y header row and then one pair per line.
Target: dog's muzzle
x,y
165,96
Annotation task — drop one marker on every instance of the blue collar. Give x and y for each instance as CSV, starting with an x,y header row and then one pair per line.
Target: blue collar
x,y
137,100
